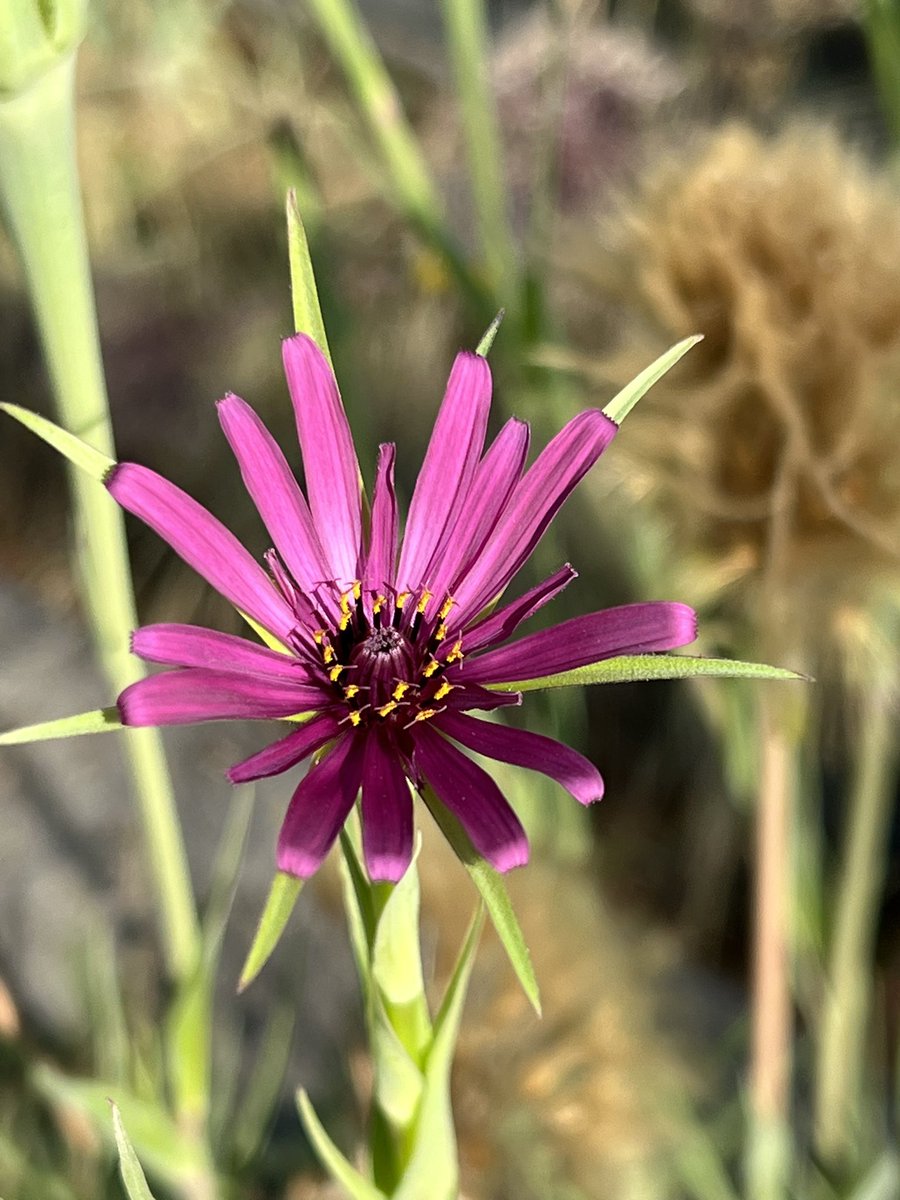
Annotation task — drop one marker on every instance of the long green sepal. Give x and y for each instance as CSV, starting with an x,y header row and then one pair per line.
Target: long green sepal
x,y
69,446
99,721
338,1167
280,904
304,293
623,402
640,668
494,894
132,1172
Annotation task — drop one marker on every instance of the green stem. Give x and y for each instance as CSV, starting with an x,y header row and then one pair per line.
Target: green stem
x,y
468,42
846,1015
40,193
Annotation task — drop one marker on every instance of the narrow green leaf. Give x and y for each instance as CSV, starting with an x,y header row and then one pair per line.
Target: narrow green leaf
x,y
432,1173
159,1143
398,1078
99,721
396,960
280,904
623,402
640,668
132,1172
69,446
304,293
337,1166
493,892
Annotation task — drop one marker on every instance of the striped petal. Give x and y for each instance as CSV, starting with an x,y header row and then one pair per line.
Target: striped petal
x,y
442,487
523,749
387,811
628,629
194,646
383,538
503,623
329,458
474,799
203,542
319,807
288,751
198,694
273,489
532,506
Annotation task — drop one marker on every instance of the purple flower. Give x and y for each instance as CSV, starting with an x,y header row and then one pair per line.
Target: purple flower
x,y
388,647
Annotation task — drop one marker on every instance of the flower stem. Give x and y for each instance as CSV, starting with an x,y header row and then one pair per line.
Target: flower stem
x,y
768,1151
40,194
846,1013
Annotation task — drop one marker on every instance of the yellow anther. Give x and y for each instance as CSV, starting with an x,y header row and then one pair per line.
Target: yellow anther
x,y
426,713
441,632
444,611
356,589
423,601
444,690
402,599
354,718
344,621
335,673
433,666
378,604
351,690
456,653
328,654
386,708
318,636
400,690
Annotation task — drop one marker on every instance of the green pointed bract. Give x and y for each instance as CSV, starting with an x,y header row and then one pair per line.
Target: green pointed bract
x,y
100,720
33,36
304,293
495,896
641,668
622,403
484,346
133,1177
338,1167
69,446
280,904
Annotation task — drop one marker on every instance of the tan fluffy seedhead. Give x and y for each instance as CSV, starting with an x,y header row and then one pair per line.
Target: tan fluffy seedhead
x,y
774,448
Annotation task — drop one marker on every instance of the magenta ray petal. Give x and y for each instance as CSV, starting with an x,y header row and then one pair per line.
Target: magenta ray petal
x,y
329,458
450,461
495,477
199,694
319,807
503,623
383,540
387,811
287,751
273,489
470,695
194,646
523,749
203,542
533,504
628,629
473,797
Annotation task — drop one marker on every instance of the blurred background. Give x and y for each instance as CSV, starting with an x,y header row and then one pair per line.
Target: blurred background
x,y
618,176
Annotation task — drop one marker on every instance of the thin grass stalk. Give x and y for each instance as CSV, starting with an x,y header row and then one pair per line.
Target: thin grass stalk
x,y
846,1017
407,173
467,36
768,1153
41,196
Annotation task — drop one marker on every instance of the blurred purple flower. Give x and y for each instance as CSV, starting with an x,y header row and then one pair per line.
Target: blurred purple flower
x,y
387,648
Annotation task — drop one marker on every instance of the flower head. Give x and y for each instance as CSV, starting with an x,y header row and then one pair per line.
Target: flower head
x,y
385,647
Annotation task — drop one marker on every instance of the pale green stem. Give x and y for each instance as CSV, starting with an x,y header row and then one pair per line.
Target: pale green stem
x,y
847,1008
40,193
768,1156
407,173
468,42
